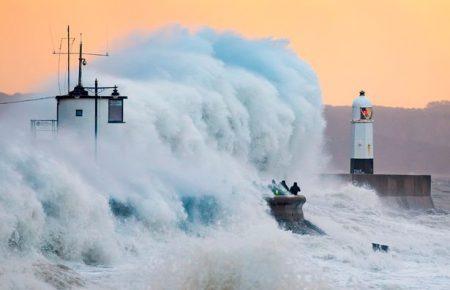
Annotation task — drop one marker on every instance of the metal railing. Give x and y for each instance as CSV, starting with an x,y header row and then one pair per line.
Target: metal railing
x,y
44,126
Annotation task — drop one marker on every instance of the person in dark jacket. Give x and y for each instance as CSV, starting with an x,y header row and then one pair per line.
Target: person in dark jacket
x,y
295,189
283,183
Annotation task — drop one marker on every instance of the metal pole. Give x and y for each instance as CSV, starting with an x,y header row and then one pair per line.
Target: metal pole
x,y
68,59
96,116
80,60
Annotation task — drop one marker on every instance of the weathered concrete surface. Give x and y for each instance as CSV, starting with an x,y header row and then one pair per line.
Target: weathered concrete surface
x,y
287,210
408,191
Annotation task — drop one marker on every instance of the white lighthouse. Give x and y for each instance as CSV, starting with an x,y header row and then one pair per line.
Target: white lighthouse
x,y
361,161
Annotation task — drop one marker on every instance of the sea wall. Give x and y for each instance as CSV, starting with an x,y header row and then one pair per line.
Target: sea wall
x,y
407,191
288,212
287,208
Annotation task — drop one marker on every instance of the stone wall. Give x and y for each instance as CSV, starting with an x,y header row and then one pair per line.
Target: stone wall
x,y
408,191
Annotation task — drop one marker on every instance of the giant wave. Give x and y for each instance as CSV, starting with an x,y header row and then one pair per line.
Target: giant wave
x,y
174,200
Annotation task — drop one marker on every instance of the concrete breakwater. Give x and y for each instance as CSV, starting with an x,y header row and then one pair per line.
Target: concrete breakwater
x,y
288,212
407,191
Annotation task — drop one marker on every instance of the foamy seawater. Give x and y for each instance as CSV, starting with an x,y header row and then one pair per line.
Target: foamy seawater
x,y
264,257
175,199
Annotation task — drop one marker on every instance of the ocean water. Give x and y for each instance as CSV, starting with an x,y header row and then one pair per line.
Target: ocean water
x,y
440,190
174,199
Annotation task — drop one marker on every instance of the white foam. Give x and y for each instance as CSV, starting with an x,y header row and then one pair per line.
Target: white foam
x,y
212,117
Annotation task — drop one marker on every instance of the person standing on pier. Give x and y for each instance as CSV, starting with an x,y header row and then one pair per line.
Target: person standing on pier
x,y
295,189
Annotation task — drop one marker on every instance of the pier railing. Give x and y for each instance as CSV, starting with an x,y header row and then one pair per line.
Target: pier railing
x,y
47,126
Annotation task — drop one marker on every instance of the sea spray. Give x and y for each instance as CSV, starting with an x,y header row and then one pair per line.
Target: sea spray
x,y
211,118
204,132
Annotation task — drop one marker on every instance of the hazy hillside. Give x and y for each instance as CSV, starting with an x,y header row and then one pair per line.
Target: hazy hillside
x,y
405,140
17,116
3,96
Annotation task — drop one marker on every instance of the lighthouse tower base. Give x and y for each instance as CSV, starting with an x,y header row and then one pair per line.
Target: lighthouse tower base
x,y
361,166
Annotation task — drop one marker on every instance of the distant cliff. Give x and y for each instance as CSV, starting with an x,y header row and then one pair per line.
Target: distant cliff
x,y
405,140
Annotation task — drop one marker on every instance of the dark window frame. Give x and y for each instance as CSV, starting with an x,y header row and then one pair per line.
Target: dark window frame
x,y
109,111
364,117
78,113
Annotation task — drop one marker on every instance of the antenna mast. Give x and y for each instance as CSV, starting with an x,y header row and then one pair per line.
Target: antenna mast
x,y
68,59
69,40
81,61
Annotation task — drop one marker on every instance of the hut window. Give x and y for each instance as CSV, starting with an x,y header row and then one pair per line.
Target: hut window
x,y
79,113
115,111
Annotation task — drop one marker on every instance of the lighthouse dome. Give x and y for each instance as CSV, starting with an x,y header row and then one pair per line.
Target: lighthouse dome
x,y
361,108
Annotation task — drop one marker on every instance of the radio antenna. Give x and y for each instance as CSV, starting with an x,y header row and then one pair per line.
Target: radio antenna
x,y
81,59
68,59
59,53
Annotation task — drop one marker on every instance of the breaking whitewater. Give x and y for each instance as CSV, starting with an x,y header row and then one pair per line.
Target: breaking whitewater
x,y
175,199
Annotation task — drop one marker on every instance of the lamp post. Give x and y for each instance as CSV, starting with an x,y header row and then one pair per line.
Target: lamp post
x,y
96,88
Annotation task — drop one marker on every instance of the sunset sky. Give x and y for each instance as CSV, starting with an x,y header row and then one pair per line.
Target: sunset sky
x,y
397,50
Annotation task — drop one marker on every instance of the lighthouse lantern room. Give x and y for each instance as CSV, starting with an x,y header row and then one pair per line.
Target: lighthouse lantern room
x,y
361,161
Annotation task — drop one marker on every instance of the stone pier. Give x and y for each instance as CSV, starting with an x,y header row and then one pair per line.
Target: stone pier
x,y
288,212
407,191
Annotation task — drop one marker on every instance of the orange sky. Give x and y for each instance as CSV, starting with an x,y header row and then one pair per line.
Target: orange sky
x,y
397,50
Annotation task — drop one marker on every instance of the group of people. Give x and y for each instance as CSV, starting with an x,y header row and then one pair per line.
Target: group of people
x,y
283,189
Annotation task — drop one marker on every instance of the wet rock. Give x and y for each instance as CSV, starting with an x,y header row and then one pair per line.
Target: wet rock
x,y
58,275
